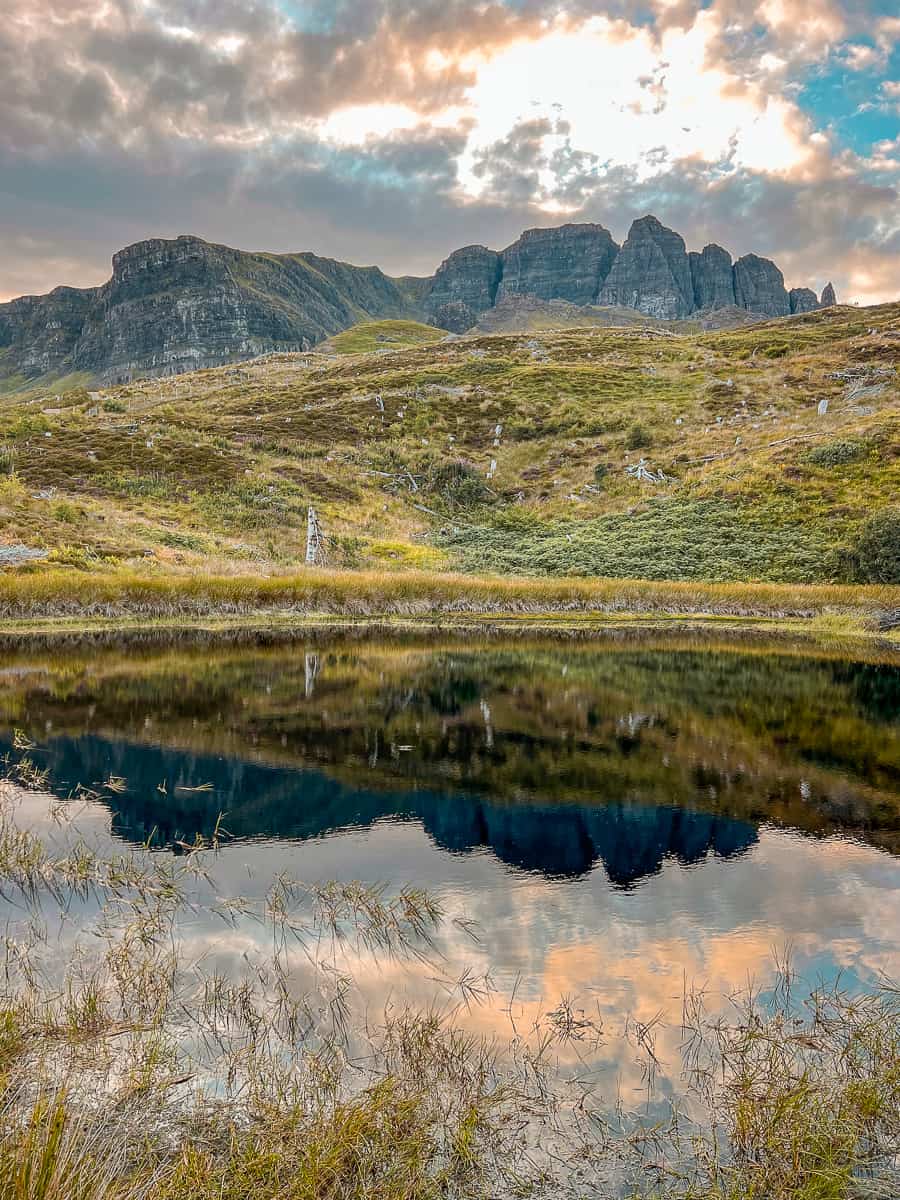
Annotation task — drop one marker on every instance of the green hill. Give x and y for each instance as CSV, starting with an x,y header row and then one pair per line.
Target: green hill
x,y
600,451
382,335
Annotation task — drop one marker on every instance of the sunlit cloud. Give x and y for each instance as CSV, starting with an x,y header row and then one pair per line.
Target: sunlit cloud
x,y
396,130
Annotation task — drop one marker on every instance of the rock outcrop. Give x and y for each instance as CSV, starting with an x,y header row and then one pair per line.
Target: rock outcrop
x,y
759,287
568,263
465,286
712,276
828,297
651,273
183,304
186,304
803,300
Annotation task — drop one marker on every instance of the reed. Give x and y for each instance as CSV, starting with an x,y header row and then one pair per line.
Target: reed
x,y
134,1072
60,592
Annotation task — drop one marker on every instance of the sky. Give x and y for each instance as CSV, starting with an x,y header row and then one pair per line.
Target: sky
x,y
394,131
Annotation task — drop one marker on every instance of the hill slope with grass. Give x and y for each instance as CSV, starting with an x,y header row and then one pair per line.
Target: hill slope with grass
x,y
765,453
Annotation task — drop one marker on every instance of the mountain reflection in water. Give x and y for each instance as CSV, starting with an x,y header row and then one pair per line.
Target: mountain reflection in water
x,y
605,823
553,756
631,840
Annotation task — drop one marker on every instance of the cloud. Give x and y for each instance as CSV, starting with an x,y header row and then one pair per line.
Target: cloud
x,y
396,130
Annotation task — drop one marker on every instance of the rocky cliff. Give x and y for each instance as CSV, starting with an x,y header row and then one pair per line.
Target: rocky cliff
x,y
568,263
803,300
712,276
465,285
759,286
653,273
179,305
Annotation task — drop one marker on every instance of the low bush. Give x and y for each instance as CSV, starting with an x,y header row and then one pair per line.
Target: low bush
x,y
153,486
837,453
183,541
459,484
65,512
878,547
638,437
673,538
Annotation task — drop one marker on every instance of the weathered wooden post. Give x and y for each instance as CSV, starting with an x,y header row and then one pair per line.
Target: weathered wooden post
x,y
313,537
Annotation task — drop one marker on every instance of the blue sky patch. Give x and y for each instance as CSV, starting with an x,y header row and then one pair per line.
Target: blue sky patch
x,y
851,103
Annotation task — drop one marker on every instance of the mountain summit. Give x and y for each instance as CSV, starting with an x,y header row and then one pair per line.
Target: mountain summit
x,y
182,304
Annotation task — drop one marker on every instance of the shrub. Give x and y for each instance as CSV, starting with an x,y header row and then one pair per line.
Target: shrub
x,y
878,547
459,484
12,489
65,512
837,453
114,406
182,541
671,538
256,505
26,424
155,485
600,473
638,437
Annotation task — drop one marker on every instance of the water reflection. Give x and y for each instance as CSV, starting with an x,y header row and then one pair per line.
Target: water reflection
x,y
559,841
617,819
553,756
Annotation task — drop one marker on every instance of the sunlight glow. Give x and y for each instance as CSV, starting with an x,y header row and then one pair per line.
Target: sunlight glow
x,y
607,90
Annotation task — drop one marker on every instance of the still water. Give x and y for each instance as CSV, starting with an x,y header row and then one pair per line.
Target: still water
x,y
604,821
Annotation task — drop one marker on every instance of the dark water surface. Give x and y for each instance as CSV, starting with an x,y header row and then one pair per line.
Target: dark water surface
x,y
615,817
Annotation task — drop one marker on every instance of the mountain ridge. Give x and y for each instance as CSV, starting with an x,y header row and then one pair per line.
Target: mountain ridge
x,y
174,305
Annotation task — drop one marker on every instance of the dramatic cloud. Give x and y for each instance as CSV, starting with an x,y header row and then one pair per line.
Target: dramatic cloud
x,y
396,130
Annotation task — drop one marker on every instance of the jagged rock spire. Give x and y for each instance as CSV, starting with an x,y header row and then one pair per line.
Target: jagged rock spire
x,y
651,273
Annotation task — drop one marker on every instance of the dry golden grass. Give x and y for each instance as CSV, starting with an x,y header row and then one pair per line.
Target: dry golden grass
x,y
48,592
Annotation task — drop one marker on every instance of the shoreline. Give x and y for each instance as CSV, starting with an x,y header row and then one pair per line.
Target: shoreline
x,y
47,602
811,635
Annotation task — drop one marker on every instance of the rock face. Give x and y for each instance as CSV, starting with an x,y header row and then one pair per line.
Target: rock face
x,y
651,273
181,305
465,286
38,333
803,300
759,287
712,276
828,297
185,304
568,263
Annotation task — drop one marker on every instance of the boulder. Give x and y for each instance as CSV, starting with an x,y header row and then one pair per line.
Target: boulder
x,y
651,273
567,263
759,287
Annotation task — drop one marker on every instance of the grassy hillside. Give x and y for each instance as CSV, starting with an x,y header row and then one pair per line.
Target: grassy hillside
x,y
506,453
382,335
